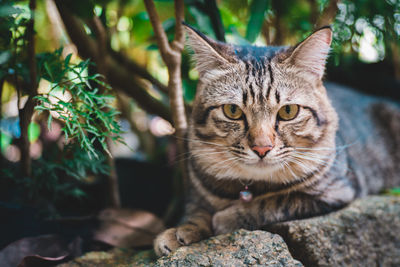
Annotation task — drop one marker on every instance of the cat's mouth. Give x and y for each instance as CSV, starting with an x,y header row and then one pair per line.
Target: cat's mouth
x,y
262,163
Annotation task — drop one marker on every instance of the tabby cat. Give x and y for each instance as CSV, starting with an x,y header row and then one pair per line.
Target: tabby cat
x,y
267,144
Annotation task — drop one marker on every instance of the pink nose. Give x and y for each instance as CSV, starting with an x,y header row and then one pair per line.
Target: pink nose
x,y
261,151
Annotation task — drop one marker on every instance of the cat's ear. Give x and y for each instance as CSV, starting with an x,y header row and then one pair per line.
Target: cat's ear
x,y
209,55
312,53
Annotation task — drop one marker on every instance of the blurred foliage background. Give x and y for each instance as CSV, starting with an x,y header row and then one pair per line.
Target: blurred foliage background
x,y
100,88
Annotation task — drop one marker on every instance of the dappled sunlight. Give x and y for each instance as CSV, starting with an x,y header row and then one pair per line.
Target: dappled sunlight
x,y
160,127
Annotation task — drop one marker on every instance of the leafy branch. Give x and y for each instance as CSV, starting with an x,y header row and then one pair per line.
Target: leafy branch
x,y
75,98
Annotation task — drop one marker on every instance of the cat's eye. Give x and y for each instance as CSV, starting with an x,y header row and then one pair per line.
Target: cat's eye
x,y
232,111
288,112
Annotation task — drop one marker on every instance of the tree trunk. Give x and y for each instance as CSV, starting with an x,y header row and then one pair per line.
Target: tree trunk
x,y
25,114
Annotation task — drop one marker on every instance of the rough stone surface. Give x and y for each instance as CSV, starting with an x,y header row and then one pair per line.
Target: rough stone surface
x,y
114,258
240,248
366,233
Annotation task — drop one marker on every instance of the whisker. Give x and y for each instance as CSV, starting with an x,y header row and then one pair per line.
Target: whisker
x,y
214,165
199,141
201,154
328,148
312,156
289,168
227,167
301,164
195,151
316,160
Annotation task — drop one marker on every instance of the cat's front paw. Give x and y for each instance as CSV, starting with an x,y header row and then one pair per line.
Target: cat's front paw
x,y
173,238
166,242
224,222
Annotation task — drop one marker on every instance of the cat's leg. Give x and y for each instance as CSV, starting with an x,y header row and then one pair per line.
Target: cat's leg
x,y
267,210
196,227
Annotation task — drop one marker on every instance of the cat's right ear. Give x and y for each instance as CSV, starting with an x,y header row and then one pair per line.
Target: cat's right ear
x,y
209,55
312,53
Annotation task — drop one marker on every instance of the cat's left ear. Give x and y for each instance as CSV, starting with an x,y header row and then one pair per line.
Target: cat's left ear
x,y
312,53
209,55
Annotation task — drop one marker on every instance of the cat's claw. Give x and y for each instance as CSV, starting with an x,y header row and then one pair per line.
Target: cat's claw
x,y
166,242
188,234
173,238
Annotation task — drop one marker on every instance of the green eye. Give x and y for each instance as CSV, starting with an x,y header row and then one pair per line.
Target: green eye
x,y
288,112
232,111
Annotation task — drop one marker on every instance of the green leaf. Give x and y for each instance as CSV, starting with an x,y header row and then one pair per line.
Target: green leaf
x,y
41,108
89,114
33,132
5,141
49,120
67,60
7,10
46,66
203,21
78,193
257,11
394,191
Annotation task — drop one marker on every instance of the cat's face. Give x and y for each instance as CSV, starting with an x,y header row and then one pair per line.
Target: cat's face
x,y
262,113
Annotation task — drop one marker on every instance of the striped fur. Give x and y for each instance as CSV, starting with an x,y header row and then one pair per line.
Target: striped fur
x,y
312,167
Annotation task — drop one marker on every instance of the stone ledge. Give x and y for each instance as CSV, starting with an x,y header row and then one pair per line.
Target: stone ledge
x,y
366,233
240,248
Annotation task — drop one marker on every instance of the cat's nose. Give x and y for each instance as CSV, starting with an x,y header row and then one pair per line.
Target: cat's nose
x,y
261,151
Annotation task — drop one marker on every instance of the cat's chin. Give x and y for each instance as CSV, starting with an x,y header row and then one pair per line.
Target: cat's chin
x,y
261,170
263,163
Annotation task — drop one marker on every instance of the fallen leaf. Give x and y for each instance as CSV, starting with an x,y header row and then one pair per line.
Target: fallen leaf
x,y
44,250
128,228
36,260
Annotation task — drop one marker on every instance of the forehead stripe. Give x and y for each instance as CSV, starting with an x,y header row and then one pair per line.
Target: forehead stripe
x,y
244,97
271,79
252,91
277,96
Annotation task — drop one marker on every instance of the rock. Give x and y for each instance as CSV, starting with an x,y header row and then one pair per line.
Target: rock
x,y
240,248
117,257
366,233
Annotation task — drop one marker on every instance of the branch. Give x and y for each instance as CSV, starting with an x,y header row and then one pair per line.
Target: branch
x,y
2,80
25,114
117,74
179,39
328,14
114,198
101,36
146,140
139,70
159,32
173,59
101,33
120,77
